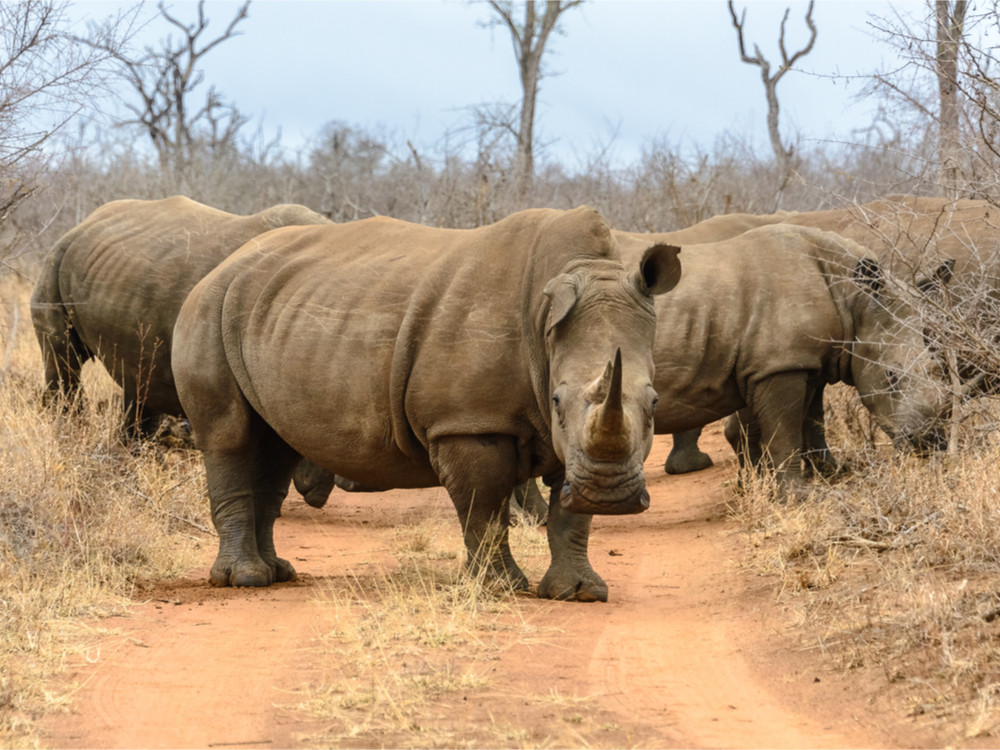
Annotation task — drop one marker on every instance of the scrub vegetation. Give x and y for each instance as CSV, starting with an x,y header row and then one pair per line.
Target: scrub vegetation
x,y
893,563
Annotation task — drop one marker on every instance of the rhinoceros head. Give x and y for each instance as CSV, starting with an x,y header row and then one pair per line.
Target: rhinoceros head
x,y
898,376
599,340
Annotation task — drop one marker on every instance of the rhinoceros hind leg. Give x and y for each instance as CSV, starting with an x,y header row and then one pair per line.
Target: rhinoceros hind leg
x,y
530,499
742,432
686,456
479,473
570,575
138,423
246,489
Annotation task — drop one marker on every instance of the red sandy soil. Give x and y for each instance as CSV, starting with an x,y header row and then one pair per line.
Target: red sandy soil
x,y
692,649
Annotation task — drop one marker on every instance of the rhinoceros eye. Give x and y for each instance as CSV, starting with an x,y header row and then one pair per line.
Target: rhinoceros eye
x,y
557,395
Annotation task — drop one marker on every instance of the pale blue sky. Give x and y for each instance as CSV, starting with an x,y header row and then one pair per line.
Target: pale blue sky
x,y
644,68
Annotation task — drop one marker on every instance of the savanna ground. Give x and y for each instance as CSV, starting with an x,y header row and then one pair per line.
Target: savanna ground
x,y
866,616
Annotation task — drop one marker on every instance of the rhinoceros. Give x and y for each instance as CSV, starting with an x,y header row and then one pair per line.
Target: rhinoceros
x,y
721,227
112,287
401,355
762,320
685,455
919,237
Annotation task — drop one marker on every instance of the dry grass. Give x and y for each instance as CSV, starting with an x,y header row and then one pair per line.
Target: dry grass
x,y
84,518
891,568
413,638
81,519
894,567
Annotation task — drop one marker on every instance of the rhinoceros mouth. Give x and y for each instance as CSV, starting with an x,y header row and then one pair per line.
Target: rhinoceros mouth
x,y
922,444
600,493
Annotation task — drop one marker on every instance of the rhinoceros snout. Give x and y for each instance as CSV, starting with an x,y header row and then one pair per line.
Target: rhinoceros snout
x,y
922,444
576,499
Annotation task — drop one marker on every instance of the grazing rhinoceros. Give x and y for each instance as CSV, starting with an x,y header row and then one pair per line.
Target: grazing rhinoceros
x,y
911,236
764,319
401,355
113,285
685,455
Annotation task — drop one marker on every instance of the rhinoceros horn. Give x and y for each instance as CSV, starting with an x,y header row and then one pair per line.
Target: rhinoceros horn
x,y
607,433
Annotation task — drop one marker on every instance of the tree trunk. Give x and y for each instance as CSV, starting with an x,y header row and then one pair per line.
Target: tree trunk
x,y
950,23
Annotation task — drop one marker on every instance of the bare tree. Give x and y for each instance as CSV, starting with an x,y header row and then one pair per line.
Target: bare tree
x,y
950,22
782,153
945,93
165,80
48,75
529,37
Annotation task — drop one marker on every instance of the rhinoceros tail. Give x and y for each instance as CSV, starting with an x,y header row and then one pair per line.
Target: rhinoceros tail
x,y
63,353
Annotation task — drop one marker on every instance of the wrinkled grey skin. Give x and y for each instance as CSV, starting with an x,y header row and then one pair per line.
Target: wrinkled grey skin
x,y
112,286
473,359
928,237
764,320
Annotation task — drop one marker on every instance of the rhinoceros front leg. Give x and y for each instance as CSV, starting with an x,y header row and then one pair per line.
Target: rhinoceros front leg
x,y
686,456
744,435
570,575
819,458
246,490
479,473
779,407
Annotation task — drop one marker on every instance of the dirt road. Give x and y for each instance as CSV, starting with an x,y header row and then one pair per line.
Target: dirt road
x,y
690,651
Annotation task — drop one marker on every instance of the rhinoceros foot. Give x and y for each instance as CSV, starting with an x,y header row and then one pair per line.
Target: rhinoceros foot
x,y
501,575
570,584
250,572
507,582
823,464
685,462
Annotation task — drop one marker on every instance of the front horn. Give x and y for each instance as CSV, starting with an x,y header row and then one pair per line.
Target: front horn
x,y
608,437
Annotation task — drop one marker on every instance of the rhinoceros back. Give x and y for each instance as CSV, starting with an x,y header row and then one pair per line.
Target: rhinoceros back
x,y
118,279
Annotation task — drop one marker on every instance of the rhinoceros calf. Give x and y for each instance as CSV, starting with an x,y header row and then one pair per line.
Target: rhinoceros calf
x,y
113,285
763,320
401,356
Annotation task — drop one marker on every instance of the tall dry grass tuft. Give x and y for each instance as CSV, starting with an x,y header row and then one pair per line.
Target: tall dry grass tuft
x,y
412,635
82,519
894,567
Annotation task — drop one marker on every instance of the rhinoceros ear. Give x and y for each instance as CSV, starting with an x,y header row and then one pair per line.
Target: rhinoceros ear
x,y
562,292
868,274
940,278
659,270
